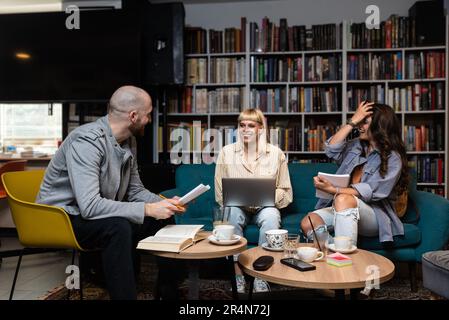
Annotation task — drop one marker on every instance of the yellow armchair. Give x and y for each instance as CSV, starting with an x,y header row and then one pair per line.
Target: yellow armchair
x,y
38,226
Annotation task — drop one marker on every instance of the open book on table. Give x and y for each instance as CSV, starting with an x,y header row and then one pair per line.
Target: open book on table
x,y
337,180
173,238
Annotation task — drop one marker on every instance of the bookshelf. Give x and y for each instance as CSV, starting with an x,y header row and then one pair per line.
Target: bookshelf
x,y
306,94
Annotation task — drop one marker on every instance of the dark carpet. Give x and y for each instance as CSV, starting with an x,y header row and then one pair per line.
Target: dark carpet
x,y
213,286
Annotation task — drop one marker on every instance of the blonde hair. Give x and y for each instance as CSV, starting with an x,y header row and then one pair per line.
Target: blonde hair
x,y
252,115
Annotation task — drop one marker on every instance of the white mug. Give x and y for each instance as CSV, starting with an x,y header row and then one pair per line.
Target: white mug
x,y
309,254
342,243
223,232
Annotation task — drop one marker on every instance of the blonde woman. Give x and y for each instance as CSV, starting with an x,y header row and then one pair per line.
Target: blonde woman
x,y
253,157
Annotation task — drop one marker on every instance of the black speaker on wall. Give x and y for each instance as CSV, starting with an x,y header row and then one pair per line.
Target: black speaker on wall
x,y
162,43
429,22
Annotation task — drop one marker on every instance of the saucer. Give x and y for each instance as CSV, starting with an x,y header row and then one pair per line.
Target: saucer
x,y
235,239
267,247
332,247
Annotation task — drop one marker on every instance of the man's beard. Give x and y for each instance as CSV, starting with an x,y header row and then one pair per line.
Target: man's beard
x,y
137,130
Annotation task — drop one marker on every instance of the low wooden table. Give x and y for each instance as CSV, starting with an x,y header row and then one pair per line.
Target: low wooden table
x,y
203,250
324,276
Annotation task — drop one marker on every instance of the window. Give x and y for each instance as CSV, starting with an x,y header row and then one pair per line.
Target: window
x,y
30,127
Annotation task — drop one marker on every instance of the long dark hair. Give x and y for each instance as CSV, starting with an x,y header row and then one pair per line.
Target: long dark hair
x,y
385,130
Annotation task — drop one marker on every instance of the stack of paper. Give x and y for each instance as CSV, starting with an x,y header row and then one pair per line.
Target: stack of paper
x,y
199,190
337,180
339,260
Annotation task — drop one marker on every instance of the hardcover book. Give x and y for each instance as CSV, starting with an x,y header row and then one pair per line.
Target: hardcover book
x,y
173,238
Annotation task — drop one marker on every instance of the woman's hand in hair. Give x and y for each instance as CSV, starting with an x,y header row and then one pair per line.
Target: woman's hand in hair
x,y
324,185
364,110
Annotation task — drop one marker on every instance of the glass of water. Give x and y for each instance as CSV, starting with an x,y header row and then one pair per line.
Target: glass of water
x,y
221,215
321,240
290,245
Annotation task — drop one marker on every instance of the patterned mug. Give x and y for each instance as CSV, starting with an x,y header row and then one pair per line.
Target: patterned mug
x,y
276,238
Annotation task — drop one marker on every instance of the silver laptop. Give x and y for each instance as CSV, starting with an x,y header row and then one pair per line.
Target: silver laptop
x,y
248,192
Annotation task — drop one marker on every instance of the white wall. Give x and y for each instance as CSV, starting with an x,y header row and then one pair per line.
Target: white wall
x,y
307,12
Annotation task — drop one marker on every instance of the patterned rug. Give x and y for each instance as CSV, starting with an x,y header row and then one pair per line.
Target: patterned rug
x,y
217,289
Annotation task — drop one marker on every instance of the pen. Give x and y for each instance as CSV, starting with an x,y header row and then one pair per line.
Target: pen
x,y
180,208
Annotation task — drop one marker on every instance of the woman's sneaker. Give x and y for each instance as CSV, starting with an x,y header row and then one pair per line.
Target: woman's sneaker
x,y
240,281
261,285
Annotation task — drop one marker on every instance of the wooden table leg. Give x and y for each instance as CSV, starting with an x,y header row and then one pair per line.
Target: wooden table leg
x,y
231,268
193,280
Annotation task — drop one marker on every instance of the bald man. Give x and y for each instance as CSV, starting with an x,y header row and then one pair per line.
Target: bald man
x,y
93,176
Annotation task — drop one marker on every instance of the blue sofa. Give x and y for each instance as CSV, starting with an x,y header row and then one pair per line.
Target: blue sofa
x,y
429,233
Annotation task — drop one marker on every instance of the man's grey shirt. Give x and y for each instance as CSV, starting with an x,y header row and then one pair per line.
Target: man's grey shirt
x,y
93,175
375,190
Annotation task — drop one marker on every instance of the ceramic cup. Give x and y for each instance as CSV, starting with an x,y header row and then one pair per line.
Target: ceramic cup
x,y
309,254
223,232
276,238
342,243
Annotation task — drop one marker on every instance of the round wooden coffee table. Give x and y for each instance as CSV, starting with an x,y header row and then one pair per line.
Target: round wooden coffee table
x,y
365,264
203,250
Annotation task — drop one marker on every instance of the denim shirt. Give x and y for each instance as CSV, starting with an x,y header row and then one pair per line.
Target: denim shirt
x,y
374,190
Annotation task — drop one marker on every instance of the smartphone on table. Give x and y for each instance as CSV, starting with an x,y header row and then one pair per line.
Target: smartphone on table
x,y
298,264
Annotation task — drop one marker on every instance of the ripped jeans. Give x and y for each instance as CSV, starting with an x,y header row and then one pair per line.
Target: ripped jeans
x,y
352,221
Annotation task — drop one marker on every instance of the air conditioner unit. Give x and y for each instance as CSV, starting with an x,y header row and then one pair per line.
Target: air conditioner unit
x,y
32,6
83,5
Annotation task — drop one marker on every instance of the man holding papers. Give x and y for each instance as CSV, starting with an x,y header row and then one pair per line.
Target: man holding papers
x,y
377,164
93,177
253,157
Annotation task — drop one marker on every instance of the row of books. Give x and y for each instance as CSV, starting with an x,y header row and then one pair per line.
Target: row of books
x,y
388,65
196,71
428,65
227,70
195,40
424,137
221,100
286,136
419,97
315,99
229,40
356,95
323,67
269,37
183,136
396,32
378,66
314,137
222,70
269,100
276,69
428,170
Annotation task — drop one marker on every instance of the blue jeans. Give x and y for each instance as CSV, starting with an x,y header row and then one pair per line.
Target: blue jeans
x,y
267,218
